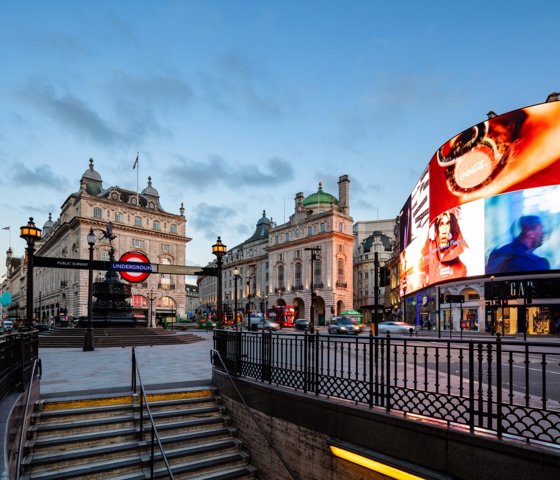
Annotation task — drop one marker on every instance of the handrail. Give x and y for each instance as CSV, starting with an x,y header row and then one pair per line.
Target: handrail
x,y
143,397
252,416
23,430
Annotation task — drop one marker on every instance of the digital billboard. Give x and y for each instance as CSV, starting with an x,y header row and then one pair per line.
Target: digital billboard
x,y
487,202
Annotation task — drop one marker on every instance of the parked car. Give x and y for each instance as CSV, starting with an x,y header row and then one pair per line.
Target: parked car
x,y
340,325
8,326
301,324
395,327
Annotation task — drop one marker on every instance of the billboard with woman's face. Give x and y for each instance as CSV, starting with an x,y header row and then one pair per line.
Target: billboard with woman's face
x,y
482,186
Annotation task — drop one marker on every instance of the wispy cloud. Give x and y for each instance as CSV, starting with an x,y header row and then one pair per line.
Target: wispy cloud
x,y
70,112
200,174
236,85
210,219
40,176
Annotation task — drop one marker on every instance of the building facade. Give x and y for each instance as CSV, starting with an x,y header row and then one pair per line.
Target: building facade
x,y
139,223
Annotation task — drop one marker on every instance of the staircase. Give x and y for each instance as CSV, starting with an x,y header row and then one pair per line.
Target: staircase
x,y
114,337
99,438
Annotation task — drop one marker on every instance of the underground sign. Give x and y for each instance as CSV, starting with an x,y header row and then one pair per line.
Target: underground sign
x,y
133,273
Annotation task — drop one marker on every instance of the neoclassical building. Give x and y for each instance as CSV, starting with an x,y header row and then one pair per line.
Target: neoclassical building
x,y
274,266
140,224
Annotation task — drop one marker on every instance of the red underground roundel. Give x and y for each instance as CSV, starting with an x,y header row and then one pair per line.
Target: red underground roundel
x,y
138,274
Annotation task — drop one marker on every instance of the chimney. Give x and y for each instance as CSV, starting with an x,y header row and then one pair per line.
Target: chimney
x,y
299,200
344,194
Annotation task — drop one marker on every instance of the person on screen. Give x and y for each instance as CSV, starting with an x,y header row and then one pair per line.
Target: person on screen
x,y
441,254
518,256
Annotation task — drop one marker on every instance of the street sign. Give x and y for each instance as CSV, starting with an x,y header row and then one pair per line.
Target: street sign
x,y
177,269
54,262
137,272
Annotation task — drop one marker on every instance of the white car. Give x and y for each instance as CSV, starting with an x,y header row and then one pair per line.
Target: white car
x,y
395,327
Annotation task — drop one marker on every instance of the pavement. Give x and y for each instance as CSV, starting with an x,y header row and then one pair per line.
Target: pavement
x,y
71,371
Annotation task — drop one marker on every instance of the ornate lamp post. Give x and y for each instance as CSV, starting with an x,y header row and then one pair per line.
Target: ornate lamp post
x,y
235,279
219,249
89,344
30,233
151,296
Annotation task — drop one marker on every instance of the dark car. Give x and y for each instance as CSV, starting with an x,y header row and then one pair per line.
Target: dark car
x,y
343,325
301,324
42,327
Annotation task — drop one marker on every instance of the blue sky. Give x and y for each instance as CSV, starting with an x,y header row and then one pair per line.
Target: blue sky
x,y
235,106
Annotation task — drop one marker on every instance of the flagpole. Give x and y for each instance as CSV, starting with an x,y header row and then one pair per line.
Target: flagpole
x,y
137,175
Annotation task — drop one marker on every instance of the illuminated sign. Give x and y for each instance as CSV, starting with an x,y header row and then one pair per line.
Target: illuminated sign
x,y
137,272
492,193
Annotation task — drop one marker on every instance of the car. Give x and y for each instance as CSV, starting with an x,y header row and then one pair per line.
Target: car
x,y
343,325
41,327
395,327
301,324
266,324
8,326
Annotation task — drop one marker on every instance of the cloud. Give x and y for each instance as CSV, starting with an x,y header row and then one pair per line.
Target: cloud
x,y
210,220
235,85
275,171
71,112
40,176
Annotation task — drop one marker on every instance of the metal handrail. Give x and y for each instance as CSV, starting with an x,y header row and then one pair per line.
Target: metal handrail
x,y
36,364
155,436
214,351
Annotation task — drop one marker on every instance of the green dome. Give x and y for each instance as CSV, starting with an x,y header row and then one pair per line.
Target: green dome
x,y
320,198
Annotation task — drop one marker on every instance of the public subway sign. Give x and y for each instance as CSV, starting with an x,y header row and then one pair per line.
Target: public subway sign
x,y
134,267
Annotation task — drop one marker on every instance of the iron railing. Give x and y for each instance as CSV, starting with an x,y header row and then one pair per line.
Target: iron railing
x,y
137,384
506,387
18,351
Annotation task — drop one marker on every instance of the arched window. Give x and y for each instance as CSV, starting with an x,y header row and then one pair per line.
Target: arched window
x,y
157,225
97,212
340,270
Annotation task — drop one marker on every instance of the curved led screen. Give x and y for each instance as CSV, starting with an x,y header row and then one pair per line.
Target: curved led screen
x,y
488,202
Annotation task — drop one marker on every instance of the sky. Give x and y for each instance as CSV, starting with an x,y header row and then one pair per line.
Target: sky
x,y
236,106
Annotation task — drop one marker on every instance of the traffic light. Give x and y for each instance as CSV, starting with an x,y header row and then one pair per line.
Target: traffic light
x,y
529,293
384,276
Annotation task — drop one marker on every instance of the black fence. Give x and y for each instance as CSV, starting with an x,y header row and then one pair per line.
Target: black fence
x,y
507,387
18,351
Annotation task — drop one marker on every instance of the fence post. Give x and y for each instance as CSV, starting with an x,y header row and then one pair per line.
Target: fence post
x,y
471,386
371,369
316,367
388,375
305,362
499,425
238,340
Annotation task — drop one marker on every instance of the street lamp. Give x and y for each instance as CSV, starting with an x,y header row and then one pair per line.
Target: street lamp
x,y
151,296
89,344
30,233
219,249
313,251
235,278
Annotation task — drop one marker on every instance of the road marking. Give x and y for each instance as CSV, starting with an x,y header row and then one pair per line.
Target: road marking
x,y
535,369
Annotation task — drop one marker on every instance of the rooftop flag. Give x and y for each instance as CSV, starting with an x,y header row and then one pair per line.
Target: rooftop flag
x,y
5,228
135,162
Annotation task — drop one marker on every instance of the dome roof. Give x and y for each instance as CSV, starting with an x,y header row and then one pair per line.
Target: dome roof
x,y
92,179
149,190
320,198
91,174
263,219
47,226
263,226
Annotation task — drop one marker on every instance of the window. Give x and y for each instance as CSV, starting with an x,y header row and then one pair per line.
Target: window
x,y
275,238
104,255
157,225
298,253
138,221
97,212
280,276
310,230
340,270
340,227
166,247
317,272
340,248
286,237
137,243
119,217
280,257
298,276
173,228
323,227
